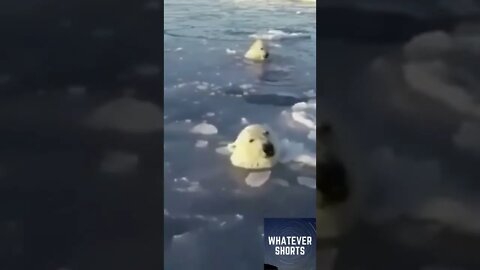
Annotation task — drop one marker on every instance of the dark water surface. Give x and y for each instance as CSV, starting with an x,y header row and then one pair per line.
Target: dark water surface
x,y
66,201
213,218
406,111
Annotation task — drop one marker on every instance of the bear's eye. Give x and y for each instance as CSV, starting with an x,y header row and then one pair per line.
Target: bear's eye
x,y
261,49
251,140
266,133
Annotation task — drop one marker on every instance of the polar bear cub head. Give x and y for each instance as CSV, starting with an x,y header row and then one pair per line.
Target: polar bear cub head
x,y
254,148
258,51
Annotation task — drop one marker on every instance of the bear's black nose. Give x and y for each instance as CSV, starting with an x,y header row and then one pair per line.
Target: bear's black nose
x,y
269,149
266,55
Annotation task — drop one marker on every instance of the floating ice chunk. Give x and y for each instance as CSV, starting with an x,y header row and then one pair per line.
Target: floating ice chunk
x,y
210,114
305,119
296,152
178,49
193,187
229,51
119,162
304,113
300,106
180,236
246,86
202,86
201,144
312,135
181,179
180,85
229,220
128,115
289,149
224,150
307,181
204,129
244,121
257,179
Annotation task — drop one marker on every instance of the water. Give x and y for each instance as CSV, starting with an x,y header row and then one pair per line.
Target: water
x,y
406,115
212,214
81,120
80,189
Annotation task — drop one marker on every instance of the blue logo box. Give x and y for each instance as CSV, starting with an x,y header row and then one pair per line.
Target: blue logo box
x,y
290,243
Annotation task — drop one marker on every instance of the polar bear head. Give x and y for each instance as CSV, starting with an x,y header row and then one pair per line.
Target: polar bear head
x,y
258,51
254,148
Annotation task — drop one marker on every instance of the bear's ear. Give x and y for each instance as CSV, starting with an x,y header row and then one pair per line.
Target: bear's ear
x,y
231,147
